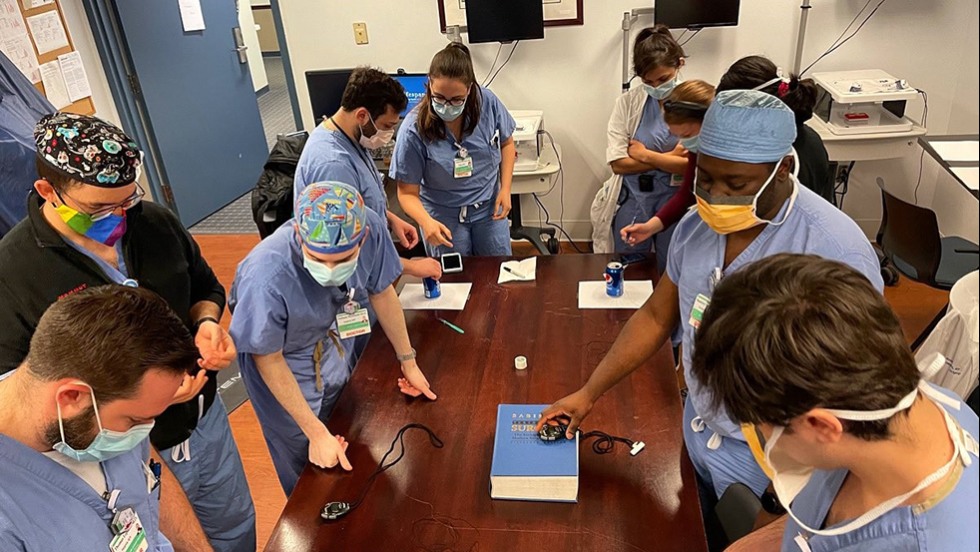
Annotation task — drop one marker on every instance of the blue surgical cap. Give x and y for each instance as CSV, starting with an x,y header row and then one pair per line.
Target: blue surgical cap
x,y
330,217
747,126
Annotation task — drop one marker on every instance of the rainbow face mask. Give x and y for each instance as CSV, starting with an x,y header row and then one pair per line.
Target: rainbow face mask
x,y
106,229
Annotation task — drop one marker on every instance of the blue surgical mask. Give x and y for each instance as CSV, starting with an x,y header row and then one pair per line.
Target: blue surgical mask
x,y
448,112
662,91
107,444
690,144
330,276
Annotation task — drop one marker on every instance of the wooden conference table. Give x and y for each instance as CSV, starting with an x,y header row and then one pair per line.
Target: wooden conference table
x,y
439,499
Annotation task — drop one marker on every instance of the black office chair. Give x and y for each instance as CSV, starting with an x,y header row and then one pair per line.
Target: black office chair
x,y
736,510
909,237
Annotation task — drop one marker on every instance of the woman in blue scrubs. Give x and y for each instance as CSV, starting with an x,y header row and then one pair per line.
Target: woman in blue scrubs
x,y
454,160
637,130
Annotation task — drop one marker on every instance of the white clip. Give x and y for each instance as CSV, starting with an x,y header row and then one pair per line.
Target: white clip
x,y
637,447
113,497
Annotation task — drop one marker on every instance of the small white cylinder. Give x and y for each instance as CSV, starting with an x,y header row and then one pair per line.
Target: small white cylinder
x,y
520,362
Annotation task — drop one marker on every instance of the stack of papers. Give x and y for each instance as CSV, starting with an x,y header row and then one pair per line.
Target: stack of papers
x,y
519,271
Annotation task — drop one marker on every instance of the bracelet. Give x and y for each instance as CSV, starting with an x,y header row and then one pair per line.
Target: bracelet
x,y
405,358
203,319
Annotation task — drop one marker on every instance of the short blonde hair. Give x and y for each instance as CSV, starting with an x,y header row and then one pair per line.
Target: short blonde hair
x,y
696,92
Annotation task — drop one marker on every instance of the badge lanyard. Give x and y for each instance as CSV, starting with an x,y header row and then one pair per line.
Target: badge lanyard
x,y
360,153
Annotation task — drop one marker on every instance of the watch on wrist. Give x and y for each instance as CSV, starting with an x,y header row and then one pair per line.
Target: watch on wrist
x,y
406,357
203,319
771,504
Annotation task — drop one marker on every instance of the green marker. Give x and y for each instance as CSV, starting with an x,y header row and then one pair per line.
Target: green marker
x,y
450,324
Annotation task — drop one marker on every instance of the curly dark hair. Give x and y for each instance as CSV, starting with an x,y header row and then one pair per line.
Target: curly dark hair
x,y
373,90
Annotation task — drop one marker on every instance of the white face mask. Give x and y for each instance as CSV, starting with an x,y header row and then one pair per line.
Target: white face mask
x,y
790,477
380,139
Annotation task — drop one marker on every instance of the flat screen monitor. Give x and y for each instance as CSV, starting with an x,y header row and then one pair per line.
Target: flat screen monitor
x,y
326,90
414,85
504,20
696,14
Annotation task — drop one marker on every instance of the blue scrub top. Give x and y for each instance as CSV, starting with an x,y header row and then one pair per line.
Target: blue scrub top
x,y
329,155
278,306
951,524
45,506
430,164
814,226
655,135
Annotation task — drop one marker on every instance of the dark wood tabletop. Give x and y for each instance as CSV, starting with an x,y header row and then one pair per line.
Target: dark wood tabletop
x,y
439,499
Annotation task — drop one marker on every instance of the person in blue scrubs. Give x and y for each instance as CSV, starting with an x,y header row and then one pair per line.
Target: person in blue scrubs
x,y
863,453
74,446
293,300
749,206
337,151
454,161
645,153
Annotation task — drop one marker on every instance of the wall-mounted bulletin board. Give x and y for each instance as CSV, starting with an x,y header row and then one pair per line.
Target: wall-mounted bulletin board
x,y
34,36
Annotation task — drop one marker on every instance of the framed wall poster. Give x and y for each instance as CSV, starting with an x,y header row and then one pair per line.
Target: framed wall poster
x,y
556,13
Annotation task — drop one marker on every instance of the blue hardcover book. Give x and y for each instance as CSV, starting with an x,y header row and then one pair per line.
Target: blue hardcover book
x,y
526,468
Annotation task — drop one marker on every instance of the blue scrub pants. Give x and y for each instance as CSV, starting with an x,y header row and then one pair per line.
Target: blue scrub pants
x,y
635,206
288,446
475,233
210,470
731,462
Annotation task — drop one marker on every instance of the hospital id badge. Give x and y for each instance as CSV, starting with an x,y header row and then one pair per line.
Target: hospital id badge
x,y
701,303
676,180
353,324
463,167
129,533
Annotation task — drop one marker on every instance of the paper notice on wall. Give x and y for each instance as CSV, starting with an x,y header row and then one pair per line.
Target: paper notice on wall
x,y
191,15
76,81
31,4
54,84
11,21
47,31
20,52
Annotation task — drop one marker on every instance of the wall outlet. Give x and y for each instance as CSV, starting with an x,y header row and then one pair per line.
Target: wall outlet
x,y
360,33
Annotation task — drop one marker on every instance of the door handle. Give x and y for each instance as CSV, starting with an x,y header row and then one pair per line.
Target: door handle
x,y
240,46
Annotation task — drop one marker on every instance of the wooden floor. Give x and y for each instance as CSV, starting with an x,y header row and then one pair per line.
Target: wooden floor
x,y
914,303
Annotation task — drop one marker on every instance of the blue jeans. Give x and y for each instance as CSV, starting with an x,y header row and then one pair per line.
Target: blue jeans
x,y
210,470
474,232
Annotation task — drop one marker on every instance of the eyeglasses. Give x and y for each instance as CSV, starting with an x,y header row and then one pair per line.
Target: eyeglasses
x,y
455,102
127,204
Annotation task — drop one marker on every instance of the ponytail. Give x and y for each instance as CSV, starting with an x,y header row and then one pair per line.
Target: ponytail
x,y
655,47
452,62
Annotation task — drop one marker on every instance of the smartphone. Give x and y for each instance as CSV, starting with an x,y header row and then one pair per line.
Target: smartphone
x,y
451,262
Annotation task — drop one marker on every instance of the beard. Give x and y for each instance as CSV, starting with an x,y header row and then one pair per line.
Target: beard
x,y
80,431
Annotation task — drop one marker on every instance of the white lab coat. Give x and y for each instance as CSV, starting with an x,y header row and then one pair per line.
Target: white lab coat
x,y
622,126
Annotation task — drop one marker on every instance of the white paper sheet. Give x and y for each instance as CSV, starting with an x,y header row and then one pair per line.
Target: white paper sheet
x,y
31,4
47,31
592,295
966,150
54,84
11,21
453,297
75,78
191,15
969,175
20,52
525,270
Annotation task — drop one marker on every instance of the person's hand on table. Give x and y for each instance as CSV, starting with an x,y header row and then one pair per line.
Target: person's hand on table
x,y
414,383
571,409
215,346
327,450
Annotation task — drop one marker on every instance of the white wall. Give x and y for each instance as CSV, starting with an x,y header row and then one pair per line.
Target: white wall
x,y
250,34
574,74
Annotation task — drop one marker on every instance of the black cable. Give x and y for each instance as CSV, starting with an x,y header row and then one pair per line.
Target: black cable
x,y
690,38
339,509
604,443
500,47
512,50
547,221
559,178
925,117
834,46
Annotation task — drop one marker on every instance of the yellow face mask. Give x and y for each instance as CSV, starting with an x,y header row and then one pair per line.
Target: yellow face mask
x,y
730,214
755,440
